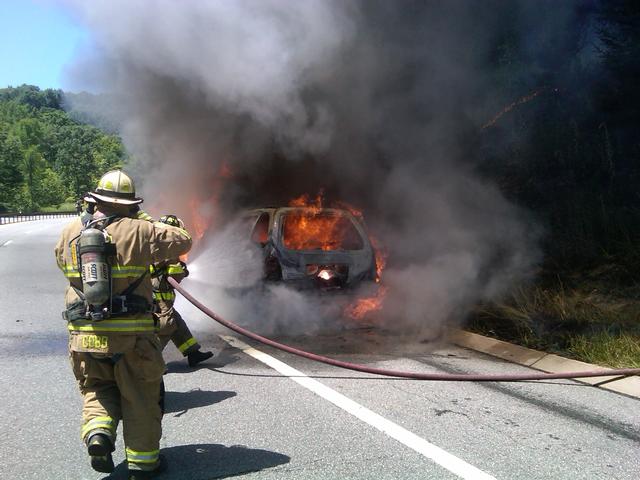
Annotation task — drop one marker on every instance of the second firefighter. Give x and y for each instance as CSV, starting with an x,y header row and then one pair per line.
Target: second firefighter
x,y
172,326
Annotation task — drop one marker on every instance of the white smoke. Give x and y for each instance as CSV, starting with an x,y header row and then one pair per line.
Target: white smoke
x,y
228,274
376,102
230,259
249,57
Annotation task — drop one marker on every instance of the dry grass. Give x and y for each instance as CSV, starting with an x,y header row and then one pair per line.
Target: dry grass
x,y
591,326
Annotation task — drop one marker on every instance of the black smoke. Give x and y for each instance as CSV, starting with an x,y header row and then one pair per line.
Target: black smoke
x,y
376,103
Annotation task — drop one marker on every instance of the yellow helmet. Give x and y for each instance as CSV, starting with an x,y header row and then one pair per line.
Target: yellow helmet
x,y
116,187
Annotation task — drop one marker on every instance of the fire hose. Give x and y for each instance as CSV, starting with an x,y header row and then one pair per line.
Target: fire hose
x,y
464,377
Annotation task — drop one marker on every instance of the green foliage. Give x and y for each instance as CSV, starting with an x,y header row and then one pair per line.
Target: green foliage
x,y
32,96
32,166
589,321
50,189
62,207
613,349
10,173
45,155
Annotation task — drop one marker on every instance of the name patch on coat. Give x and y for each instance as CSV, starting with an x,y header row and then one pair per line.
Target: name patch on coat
x,y
94,342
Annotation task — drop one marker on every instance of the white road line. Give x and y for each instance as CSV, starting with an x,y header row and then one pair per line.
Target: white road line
x,y
436,454
6,243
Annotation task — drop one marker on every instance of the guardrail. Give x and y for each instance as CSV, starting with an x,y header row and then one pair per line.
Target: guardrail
x,y
6,218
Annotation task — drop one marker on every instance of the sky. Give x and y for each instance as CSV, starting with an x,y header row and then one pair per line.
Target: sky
x,y
37,39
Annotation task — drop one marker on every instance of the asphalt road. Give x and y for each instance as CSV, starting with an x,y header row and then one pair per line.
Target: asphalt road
x,y
254,420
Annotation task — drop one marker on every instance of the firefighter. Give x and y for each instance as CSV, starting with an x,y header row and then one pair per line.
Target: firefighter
x,y
114,350
172,325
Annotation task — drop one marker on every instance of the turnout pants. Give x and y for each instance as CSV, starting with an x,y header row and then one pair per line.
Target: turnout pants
x,y
173,328
124,386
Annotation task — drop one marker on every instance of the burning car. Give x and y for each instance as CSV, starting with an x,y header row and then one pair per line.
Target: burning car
x,y
313,247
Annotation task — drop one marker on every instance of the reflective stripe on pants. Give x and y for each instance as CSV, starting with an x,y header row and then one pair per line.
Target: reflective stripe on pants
x,y
172,327
105,425
127,390
142,459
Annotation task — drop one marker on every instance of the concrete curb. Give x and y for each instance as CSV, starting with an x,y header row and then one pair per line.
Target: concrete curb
x,y
546,362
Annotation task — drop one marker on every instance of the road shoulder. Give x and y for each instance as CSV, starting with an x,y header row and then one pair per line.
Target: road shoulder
x,y
546,362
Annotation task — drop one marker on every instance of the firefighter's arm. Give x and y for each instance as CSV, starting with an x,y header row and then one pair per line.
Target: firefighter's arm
x,y
59,253
177,270
168,242
63,256
157,270
137,212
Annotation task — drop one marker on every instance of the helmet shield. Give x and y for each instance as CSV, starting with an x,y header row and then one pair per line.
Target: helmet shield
x,y
172,220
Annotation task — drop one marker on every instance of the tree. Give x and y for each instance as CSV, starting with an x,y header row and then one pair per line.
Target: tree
x,y
75,160
50,189
45,155
32,167
30,131
10,174
33,96
619,96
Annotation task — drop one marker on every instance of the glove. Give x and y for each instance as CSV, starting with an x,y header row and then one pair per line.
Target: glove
x,y
184,267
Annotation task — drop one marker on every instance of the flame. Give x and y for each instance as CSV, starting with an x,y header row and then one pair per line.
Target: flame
x,y
313,229
363,306
325,275
204,211
381,254
199,222
310,229
304,201
307,230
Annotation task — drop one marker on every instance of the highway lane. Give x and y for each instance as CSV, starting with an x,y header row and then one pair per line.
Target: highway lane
x,y
240,417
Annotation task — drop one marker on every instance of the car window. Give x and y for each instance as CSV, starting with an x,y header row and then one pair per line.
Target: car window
x,y
248,222
260,232
320,231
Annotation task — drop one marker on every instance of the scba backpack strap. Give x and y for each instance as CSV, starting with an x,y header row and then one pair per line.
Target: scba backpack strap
x,y
129,303
126,303
94,252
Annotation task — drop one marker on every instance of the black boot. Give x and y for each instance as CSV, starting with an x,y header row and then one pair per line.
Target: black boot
x,y
196,357
100,447
146,474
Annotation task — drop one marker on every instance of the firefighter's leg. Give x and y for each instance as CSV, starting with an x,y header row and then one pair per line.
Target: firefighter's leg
x,y
181,336
165,322
139,376
101,407
186,343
